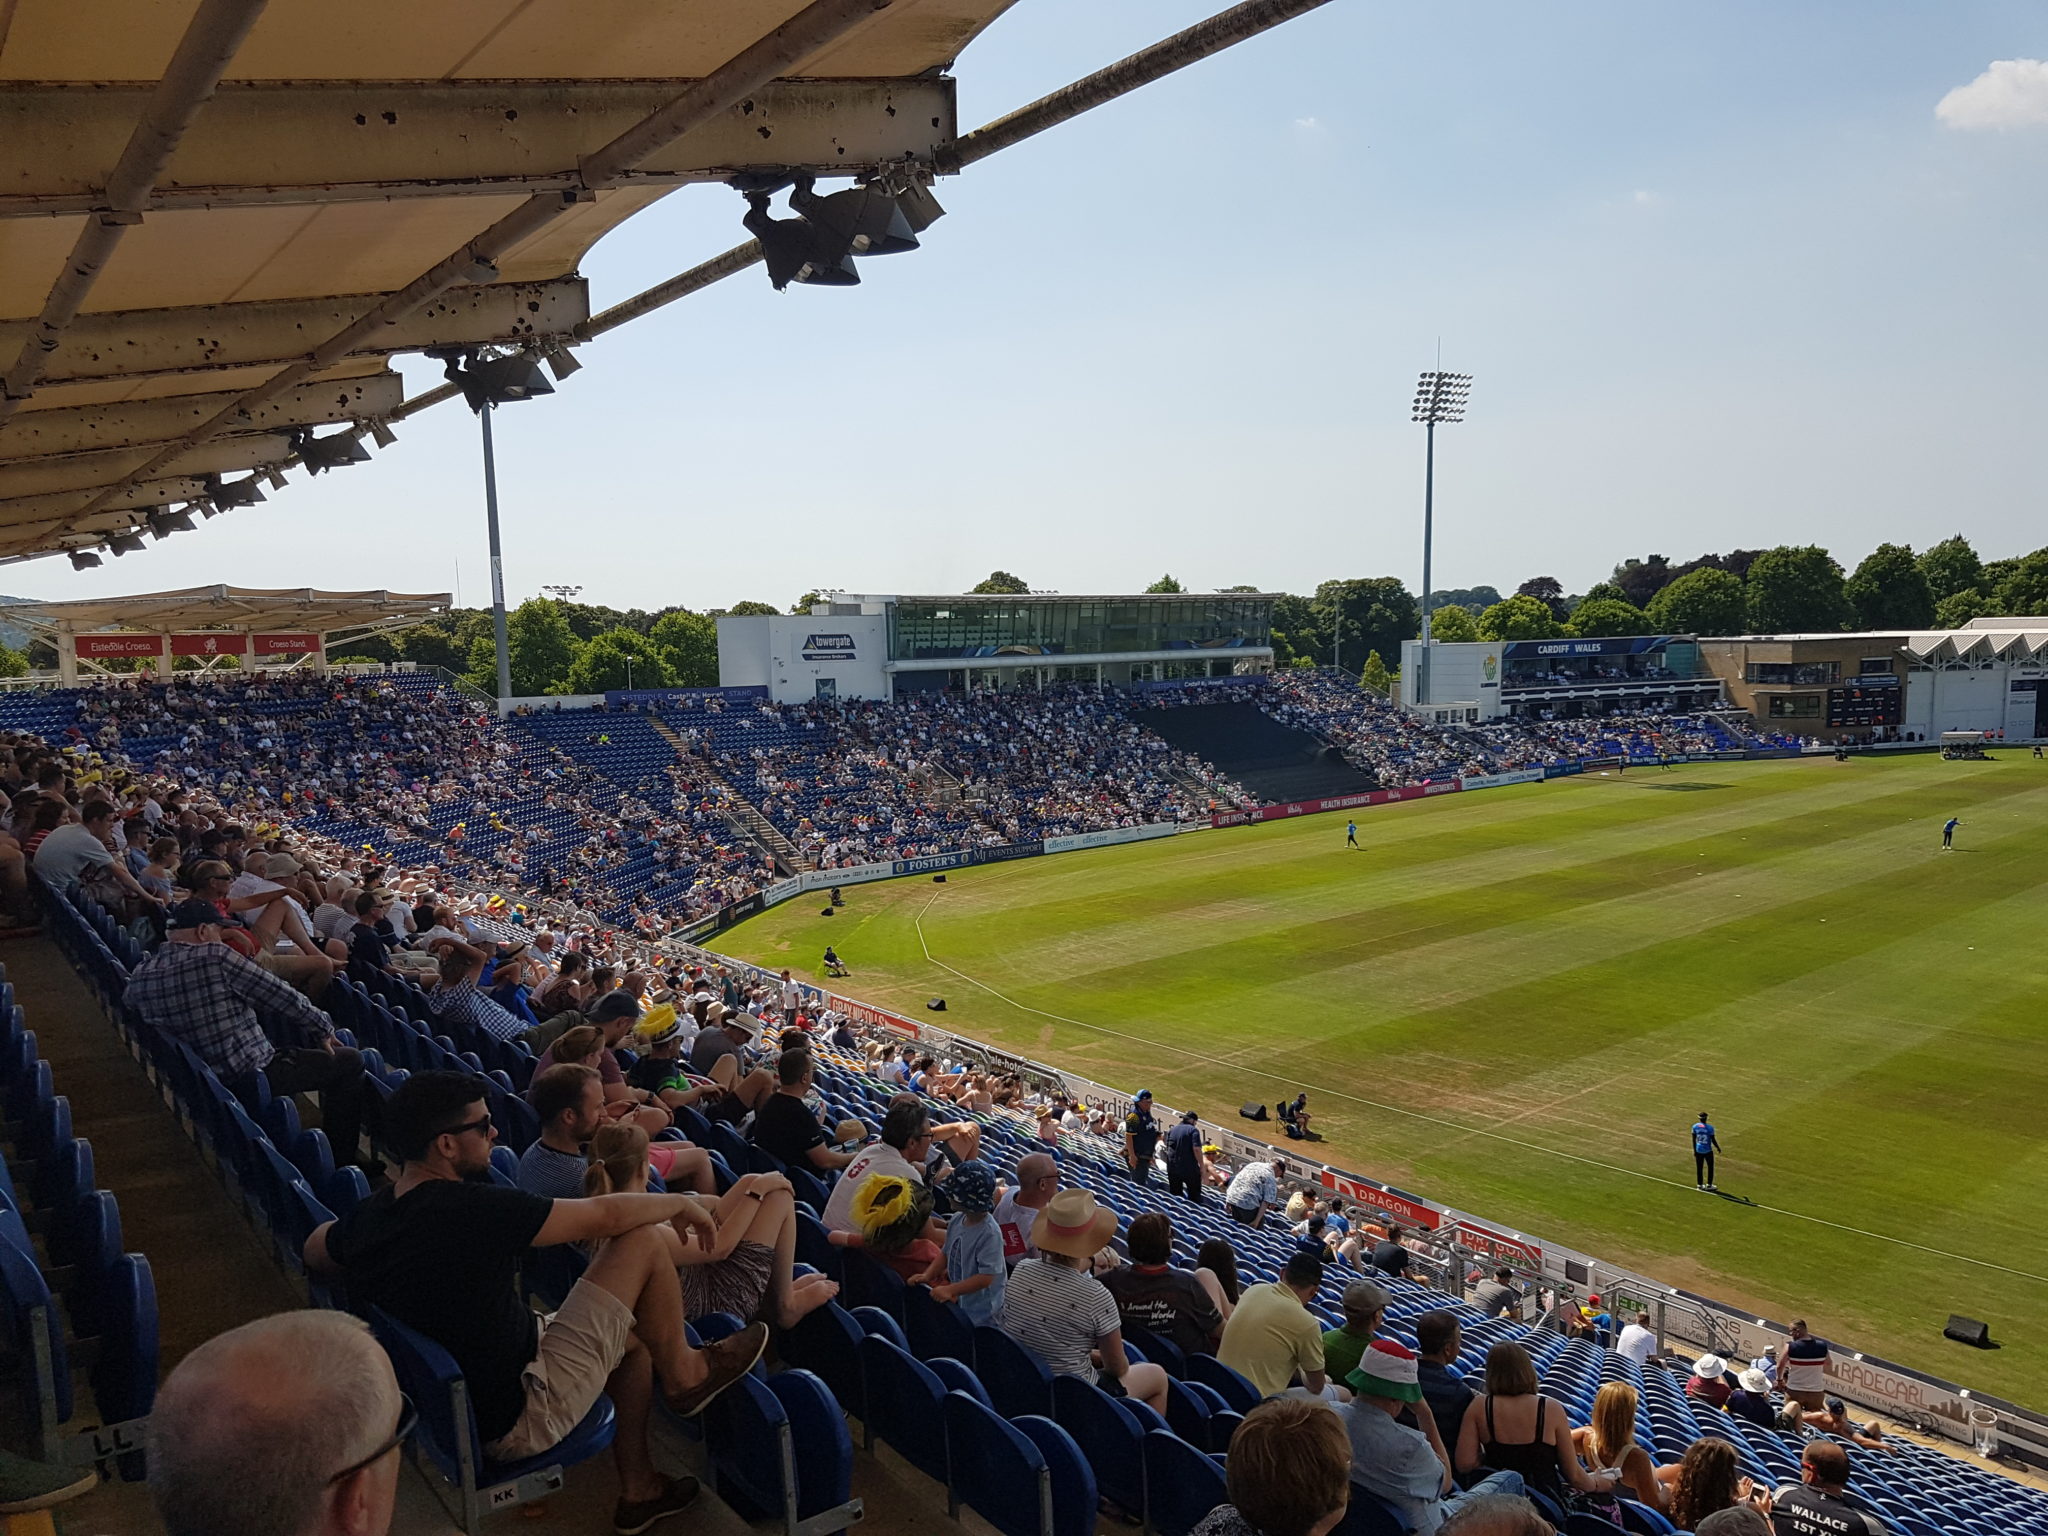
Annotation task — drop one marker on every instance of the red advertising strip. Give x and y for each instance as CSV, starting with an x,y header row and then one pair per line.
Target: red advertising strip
x,y
1380,1200
120,645
1512,1250
1337,803
286,645
209,645
880,1018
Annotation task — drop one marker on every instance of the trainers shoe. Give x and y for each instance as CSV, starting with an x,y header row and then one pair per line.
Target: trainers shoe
x,y
730,1359
677,1493
30,1485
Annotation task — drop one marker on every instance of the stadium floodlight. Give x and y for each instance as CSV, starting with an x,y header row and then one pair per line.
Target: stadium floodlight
x,y
488,382
233,493
84,560
1440,400
862,221
276,477
125,544
561,361
796,251
330,452
382,435
203,507
163,522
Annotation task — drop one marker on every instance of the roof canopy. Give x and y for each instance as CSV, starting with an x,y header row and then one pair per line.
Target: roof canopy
x,y
233,608
222,217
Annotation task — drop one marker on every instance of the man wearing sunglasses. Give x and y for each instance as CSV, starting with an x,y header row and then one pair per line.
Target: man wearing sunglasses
x,y
439,1249
296,1415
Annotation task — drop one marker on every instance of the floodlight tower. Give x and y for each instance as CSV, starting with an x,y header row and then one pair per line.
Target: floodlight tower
x,y
487,382
1439,400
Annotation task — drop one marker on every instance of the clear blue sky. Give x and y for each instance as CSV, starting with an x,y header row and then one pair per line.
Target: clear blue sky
x,y
1724,277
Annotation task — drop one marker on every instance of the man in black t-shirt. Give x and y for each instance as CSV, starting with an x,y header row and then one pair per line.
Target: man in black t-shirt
x,y
1820,1503
438,1249
1152,1295
1388,1256
784,1126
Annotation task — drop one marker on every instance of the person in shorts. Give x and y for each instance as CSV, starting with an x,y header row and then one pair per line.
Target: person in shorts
x,y
438,1251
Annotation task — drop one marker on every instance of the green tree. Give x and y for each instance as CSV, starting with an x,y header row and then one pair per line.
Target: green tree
x,y
1453,624
446,640
1375,675
1374,613
1796,589
1519,618
1000,581
542,647
1889,590
1297,642
804,604
2025,591
13,663
1707,602
618,658
1241,588
1547,590
751,609
1603,616
1166,583
1641,580
1473,599
688,643
1951,566
1957,609
1607,589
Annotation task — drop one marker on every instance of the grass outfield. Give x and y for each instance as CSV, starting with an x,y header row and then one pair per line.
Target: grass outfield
x,y
1581,966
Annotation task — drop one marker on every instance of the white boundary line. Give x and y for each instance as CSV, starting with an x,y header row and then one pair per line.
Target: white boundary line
x,y
1451,1125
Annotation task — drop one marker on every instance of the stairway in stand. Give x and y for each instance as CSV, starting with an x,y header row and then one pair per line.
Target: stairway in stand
x,y
745,818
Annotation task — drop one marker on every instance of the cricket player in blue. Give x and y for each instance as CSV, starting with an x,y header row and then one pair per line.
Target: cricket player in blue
x,y
1704,1146
1948,831
1350,834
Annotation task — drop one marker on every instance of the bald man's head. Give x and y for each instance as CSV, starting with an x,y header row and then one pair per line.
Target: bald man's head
x,y
251,1428
1038,1179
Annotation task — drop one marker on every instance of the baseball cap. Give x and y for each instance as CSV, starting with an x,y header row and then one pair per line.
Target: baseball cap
x,y
192,913
972,1187
1362,1298
1189,1116
1144,1093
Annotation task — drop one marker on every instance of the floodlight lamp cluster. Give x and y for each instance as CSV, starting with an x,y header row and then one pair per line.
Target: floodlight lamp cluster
x,y
882,216
488,379
1440,397
334,451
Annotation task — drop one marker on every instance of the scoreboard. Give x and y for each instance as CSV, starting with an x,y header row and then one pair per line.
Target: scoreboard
x,y
1863,706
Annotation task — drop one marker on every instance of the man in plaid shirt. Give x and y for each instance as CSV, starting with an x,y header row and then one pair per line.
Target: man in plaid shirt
x,y
204,995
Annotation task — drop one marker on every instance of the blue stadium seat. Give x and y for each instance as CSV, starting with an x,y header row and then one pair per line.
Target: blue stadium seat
x,y
780,1451
827,1342
1370,1515
1001,1471
934,1327
1237,1393
1017,1380
1110,1437
447,1436
1182,1484
906,1406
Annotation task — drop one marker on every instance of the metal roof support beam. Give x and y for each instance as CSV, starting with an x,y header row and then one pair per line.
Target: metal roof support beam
x,y
23,517
216,31
1221,31
341,141
83,471
816,25
144,343
139,423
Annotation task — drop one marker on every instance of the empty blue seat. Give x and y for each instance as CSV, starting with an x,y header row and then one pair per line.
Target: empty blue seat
x,y
780,1451
906,1405
1370,1515
1109,1437
1001,1471
827,1341
1182,1484
1018,1381
935,1328
1237,1393
447,1434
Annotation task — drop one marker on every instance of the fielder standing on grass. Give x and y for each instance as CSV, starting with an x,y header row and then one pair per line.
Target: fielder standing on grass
x,y
1350,834
1704,1145
1948,831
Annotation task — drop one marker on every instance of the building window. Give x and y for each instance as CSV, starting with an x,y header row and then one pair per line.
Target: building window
x,y
1873,666
1795,706
1797,672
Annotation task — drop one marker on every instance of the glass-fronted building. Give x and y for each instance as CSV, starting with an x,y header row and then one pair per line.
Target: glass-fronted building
x,y
867,646
1559,679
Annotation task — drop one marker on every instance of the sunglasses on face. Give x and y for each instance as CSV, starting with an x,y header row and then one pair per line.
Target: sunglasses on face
x,y
482,1124
408,1421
